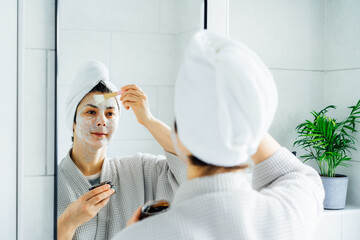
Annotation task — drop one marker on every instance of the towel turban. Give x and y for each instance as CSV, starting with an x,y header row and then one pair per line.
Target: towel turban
x,y
225,100
86,79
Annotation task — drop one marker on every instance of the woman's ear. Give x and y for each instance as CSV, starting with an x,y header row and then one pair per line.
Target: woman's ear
x,y
72,137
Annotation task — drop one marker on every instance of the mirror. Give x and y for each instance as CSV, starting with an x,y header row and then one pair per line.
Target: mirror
x,y
141,42
138,42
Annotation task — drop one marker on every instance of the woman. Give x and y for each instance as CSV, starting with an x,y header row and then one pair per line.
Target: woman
x,y
230,102
102,212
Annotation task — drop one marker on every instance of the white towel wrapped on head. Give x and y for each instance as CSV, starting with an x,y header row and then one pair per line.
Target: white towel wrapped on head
x,y
86,79
225,100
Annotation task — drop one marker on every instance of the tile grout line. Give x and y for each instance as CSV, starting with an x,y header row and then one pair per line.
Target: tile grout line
x,y
18,163
343,69
325,36
325,75
39,175
119,32
46,110
313,70
298,70
110,47
45,49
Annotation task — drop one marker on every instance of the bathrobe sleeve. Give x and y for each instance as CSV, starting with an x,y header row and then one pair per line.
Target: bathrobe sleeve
x,y
290,191
162,175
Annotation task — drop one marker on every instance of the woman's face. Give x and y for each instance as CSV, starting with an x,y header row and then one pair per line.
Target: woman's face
x,y
96,123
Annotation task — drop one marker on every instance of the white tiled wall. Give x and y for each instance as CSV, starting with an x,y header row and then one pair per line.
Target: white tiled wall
x,y
143,59
190,15
84,45
335,226
285,34
342,34
313,51
113,15
314,56
35,80
289,37
299,93
8,120
36,136
39,28
342,80
38,207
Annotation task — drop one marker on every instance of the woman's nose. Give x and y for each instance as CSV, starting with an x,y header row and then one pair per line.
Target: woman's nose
x,y
101,124
101,121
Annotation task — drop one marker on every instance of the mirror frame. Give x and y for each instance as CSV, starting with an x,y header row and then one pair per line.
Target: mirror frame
x,y
55,113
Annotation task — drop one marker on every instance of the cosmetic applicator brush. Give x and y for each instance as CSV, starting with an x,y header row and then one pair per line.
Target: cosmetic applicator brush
x,y
100,98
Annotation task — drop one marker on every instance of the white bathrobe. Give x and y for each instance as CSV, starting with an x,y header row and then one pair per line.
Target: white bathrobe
x,y
137,179
285,203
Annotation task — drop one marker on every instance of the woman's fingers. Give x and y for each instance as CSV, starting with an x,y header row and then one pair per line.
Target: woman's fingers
x,y
101,196
131,98
131,86
128,105
135,218
95,192
132,92
102,203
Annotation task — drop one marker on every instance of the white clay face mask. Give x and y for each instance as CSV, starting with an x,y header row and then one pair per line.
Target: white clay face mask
x,y
96,123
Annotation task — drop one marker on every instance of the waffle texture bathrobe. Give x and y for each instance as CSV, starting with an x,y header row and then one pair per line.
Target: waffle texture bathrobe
x,y
137,179
285,203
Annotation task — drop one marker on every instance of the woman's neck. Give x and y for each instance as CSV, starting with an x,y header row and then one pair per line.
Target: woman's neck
x,y
197,171
89,160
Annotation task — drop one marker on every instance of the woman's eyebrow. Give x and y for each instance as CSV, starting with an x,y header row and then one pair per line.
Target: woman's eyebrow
x,y
110,108
90,105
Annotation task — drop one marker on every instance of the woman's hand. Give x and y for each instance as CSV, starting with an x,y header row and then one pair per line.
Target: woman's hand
x,y
136,99
135,218
82,210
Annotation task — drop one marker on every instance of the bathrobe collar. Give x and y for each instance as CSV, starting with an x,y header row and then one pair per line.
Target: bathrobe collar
x,y
78,178
223,182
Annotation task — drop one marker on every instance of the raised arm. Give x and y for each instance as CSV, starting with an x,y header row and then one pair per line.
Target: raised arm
x,y
136,99
289,191
268,146
161,132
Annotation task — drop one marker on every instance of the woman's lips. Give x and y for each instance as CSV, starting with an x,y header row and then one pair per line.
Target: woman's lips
x,y
98,134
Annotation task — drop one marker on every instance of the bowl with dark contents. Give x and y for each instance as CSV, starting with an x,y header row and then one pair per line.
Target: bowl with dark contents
x,y
101,184
152,208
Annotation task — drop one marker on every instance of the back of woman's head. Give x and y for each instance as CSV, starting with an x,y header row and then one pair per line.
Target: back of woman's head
x,y
225,100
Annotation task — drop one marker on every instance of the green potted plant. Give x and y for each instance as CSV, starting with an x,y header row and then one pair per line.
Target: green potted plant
x,y
328,142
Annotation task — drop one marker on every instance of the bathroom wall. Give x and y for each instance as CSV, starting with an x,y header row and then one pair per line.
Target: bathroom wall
x,y
188,20
8,120
342,76
289,36
36,118
313,51
312,48
141,43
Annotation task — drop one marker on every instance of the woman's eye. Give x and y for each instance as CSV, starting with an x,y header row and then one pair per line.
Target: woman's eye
x,y
91,112
110,114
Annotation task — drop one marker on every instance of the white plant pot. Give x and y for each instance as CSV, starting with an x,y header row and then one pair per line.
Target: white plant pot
x,y
335,191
